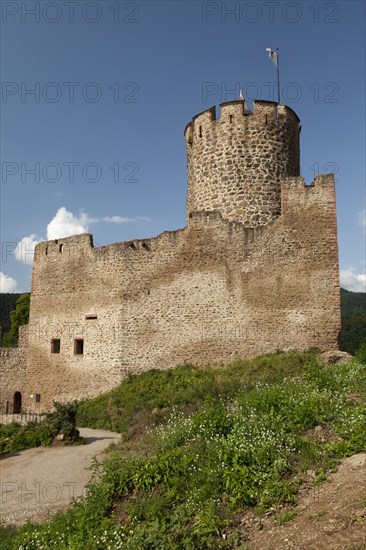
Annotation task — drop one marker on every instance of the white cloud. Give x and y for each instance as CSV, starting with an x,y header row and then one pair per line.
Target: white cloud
x,y
66,224
120,219
7,284
24,251
362,218
350,280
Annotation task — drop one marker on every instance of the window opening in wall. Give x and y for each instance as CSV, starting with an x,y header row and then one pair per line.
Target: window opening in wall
x,y
17,402
266,120
231,119
91,316
145,246
200,131
78,346
133,246
55,345
46,250
61,247
38,397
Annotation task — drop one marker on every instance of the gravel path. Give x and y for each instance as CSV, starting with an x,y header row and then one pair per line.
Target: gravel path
x,y
34,484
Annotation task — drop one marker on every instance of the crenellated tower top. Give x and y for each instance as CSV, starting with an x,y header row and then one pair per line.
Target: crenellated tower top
x,y
235,163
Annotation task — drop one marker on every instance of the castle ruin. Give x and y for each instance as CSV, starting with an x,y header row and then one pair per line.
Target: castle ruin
x,y
254,270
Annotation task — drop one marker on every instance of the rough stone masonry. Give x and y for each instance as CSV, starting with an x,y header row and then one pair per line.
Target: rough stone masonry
x,y
254,270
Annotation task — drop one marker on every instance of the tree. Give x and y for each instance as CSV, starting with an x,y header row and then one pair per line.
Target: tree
x,y
8,302
18,317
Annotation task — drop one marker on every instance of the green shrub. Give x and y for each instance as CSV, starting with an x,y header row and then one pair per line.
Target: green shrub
x,y
33,434
14,437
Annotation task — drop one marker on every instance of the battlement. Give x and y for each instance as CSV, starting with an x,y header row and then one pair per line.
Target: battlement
x,y
81,247
60,248
296,194
234,113
298,183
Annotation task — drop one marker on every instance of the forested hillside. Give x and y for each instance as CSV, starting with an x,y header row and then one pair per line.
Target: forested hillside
x,y
7,304
353,311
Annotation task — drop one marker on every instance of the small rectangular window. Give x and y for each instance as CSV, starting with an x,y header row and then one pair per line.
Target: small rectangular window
x,y
55,345
38,397
91,316
78,346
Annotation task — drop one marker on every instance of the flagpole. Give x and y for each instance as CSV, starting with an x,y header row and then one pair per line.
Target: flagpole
x,y
278,77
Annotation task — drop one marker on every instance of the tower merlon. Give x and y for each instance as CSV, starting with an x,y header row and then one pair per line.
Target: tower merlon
x,y
286,112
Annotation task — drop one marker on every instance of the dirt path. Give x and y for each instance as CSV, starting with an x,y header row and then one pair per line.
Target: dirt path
x,y
331,516
38,482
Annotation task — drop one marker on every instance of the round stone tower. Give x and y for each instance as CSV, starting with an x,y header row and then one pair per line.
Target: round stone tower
x,y
235,163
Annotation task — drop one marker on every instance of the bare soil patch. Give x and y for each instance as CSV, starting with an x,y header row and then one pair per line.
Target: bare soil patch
x,y
331,516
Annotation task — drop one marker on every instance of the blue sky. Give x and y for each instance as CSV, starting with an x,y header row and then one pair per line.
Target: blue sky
x,y
99,144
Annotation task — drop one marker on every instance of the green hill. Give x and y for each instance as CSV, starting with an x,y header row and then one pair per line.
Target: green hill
x,y
353,304
353,312
202,446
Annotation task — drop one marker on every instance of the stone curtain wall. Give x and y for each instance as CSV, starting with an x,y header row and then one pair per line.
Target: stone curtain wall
x,y
209,293
235,163
13,367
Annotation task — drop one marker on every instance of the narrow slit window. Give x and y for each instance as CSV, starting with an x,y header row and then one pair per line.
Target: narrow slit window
x,y
55,345
200,131
38,397
61,248
78,346
91,316
231,119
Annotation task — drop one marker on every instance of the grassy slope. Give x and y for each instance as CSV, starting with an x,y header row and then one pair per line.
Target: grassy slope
x,y
240,436
146,400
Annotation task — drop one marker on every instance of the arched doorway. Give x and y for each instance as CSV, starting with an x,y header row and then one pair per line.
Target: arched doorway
x,y
17,402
